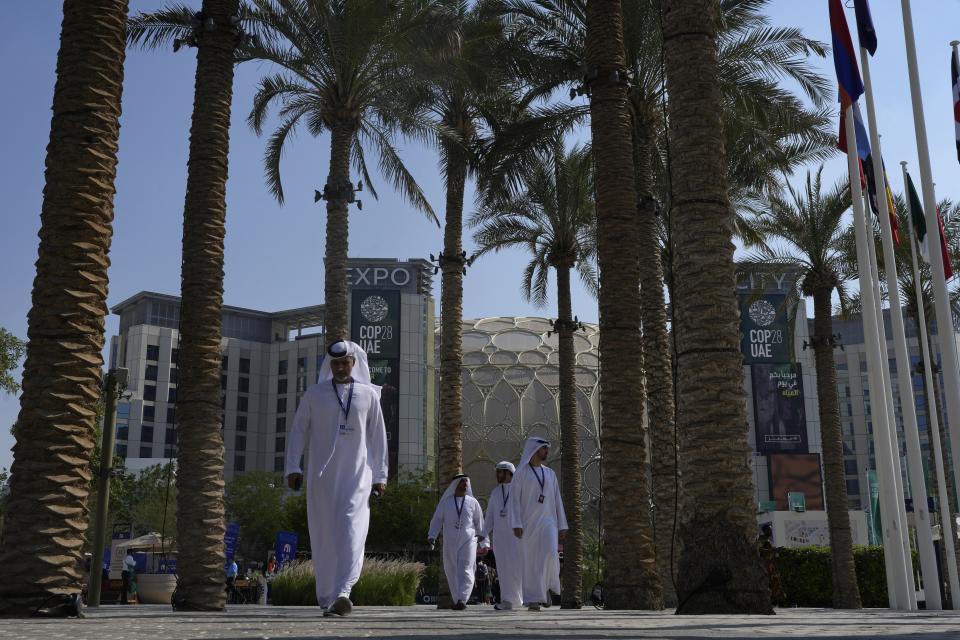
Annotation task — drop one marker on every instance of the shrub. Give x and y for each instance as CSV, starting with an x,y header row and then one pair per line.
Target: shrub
x,y
382,583
806,576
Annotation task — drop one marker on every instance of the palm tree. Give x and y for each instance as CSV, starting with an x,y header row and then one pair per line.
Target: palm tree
x,y
719,570
631,570
553,218
200,503
344,68
770,130
811,226
46,514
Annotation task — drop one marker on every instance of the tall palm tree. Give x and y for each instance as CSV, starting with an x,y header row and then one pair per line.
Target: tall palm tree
x,y
46,514
719,570
770,129
553,218
344,68
200,450
631,570
812,229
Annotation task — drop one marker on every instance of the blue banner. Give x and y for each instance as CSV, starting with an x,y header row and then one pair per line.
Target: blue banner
x,y
230,540
286,548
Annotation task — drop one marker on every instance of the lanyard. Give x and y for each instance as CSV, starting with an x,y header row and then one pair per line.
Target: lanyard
x,y
541,477
459,507
345,409
504,496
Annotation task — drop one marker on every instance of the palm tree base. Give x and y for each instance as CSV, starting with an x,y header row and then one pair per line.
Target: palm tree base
x,y
720,570
42,605
182,601
631,598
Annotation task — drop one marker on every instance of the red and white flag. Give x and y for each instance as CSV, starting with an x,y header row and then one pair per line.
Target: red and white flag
x,y
955,78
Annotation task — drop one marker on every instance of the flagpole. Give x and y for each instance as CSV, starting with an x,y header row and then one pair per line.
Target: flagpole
x,y
894,535
908,408
941,299
883,408
946,518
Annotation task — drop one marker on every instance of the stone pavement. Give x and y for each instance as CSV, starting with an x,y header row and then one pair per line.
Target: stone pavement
x,y
157,622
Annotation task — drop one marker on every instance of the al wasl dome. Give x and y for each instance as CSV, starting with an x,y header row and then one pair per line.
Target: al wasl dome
x,y
511,392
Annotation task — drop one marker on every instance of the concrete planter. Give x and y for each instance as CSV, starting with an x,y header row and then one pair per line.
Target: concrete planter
x,y
155,588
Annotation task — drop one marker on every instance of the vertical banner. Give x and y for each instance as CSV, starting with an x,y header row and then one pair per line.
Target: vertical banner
x,y
285,549
765,332
375,326
779,416
230,538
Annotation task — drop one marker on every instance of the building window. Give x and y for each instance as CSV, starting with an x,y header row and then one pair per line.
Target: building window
x,y
242,404
223,381
174,375
282,386
120,450
853,488
244,365
278,464
171,437
282,368
281,424
149,413
850,467
281,444
146,433
171,415
301,365
239,462
174,355
241,423
146,451
240,443
150,392
224,362
150,373
153,353
123,432
281,405
223,401
169,451
172,395
244,384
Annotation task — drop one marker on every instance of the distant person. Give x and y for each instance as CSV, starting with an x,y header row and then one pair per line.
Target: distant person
x,y
460,518
127,578
498,533
539,521
231,581
768,560
341,420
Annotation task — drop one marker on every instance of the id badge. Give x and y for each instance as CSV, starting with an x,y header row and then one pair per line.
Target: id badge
x,y
343,429
540,499
503,513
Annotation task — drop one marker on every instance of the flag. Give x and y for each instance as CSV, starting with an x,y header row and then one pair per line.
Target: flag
x,y
844,57
918,220
863,140
874,203
865,30
955,77
944,251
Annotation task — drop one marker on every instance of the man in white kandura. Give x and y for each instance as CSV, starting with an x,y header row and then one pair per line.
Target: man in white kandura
x,y
339,419
498,533
460,518
538,520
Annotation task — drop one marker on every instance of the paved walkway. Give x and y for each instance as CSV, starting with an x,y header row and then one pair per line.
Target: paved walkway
x,y
157,622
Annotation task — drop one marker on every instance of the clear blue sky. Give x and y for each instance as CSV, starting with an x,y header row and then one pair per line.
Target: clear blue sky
x,y
274,254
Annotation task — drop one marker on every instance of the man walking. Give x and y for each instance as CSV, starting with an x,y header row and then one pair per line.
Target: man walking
x,y
498,533
538,520
341,420
460,518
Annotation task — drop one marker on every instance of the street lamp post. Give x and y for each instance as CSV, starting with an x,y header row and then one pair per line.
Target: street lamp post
x,y
113,387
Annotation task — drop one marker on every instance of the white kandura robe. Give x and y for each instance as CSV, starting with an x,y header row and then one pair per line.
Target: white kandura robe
x,y
459,544
342,465
541,523
498,531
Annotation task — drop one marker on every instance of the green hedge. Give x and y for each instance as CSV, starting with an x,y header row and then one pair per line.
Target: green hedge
x,y
805,574
382,583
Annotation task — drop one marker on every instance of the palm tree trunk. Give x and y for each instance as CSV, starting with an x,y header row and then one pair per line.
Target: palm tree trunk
x,y
46,515
451,346
200,506
631,575
846,595
572,587
719,571
336,304
657,362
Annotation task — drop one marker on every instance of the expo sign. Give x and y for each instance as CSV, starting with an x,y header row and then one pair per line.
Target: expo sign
x,y
369,276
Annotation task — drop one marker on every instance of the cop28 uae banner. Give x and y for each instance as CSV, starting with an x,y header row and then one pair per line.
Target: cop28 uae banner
x,y
779,416
764,328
